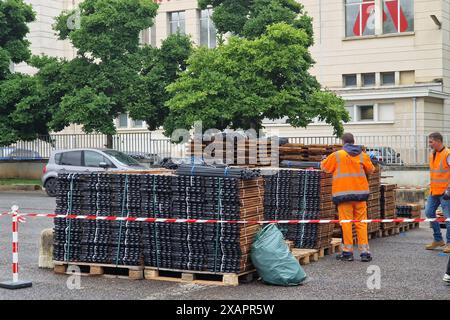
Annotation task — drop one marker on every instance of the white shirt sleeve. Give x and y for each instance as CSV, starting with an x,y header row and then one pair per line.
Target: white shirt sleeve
x,y
448,160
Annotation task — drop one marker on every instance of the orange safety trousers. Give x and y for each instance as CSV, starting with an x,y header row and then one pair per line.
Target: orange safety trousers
x,y
354,210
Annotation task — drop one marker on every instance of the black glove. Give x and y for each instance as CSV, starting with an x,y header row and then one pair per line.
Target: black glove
x,y
447,194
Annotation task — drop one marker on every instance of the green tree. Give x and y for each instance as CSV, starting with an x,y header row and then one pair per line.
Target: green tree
x,y
14,16
159,68
112,72
250,19
105,72
21,113
240,83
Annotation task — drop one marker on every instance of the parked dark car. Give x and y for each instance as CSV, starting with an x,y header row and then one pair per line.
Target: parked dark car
x,y
12,153
151,158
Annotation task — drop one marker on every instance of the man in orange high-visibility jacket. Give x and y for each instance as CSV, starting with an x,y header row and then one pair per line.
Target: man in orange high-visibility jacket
x,y
439,182
350,191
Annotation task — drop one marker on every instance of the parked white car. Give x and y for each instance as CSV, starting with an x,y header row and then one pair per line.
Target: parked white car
x,y
84,161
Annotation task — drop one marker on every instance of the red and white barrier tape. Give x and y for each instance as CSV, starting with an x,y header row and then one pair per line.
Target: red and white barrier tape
x,y
169,220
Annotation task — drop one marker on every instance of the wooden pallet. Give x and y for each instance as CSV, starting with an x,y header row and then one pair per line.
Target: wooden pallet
x,y
98,269
390,232
376,234
306,256
408,226
290,244
198,277
414,225
334,247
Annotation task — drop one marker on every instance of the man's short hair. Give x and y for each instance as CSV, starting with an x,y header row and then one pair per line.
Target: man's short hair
x,y
348,138
436,136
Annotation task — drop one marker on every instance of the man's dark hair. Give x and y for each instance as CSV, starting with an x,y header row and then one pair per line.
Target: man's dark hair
x,y
436,136
348,138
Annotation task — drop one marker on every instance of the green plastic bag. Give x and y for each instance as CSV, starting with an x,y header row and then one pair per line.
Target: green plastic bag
x,y
273,260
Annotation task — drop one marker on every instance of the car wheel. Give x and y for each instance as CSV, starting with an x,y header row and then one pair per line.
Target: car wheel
x,y
51,187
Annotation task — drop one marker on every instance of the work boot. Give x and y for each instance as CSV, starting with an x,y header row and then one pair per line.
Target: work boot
x,y
447,278
447,248
345,256
366,257
435,244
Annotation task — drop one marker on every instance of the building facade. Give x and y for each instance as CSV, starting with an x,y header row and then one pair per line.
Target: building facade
x,y
388,59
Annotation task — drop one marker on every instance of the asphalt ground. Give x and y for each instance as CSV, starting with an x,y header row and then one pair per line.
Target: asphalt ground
x,y
406,270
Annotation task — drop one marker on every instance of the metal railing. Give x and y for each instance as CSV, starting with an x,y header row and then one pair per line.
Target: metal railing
x,y
393,150
141,143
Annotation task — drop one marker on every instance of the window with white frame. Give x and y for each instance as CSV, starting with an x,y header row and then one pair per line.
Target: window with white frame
x,y
368,79
148,36
365,113
371,113
208,32
138,123
144,37
152,35
359,17
349,80
122,121
177,21
398,16
388,78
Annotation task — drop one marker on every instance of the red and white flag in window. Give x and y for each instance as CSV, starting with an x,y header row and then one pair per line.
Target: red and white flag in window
x,y
366,17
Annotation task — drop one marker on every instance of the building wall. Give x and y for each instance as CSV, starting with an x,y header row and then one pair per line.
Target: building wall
x,y
42,36
417,57
336,55
401,124
192,19
445,19
433,115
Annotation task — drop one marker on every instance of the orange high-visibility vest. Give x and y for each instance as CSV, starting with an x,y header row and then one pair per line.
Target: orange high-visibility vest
x,y
349,175
439,172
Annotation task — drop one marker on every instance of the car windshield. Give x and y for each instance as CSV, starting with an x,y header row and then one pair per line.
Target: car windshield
x,y
121,157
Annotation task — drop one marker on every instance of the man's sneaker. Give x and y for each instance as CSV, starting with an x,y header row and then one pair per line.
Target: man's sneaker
x,y
447,278
345,256
366,257
435,244
447,248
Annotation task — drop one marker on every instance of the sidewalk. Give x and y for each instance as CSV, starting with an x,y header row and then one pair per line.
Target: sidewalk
x,y
20,185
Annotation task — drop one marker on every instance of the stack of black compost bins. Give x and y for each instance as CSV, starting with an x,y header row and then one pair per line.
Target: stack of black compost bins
x,y
98,241
202,193
297,194
195,193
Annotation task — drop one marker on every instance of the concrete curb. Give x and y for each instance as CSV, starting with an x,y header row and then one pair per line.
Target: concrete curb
x,y
21,187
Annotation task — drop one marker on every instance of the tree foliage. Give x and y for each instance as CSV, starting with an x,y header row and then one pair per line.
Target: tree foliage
x,y
240,83
250,19
21,113
101,79
14,16
112,72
